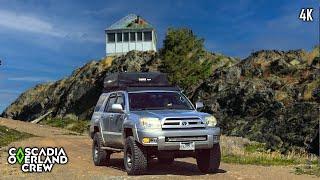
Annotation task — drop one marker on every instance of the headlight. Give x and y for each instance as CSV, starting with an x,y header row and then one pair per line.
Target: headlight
x,y
149,122
211,121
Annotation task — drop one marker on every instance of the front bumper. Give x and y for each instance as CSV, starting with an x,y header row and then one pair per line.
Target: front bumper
x,y
212,137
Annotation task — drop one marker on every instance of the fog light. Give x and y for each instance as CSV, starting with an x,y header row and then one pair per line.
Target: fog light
x,y
146,140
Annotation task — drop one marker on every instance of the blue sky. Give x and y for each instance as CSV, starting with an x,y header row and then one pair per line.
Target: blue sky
x,y
45,40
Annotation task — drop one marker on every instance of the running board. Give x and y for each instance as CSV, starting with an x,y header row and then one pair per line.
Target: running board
x,y
112,149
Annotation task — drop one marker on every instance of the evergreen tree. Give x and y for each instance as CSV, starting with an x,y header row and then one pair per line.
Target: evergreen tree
x,y
184,59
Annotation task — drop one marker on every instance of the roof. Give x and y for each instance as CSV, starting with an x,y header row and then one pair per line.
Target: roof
x,y
131,21
141,88
137,81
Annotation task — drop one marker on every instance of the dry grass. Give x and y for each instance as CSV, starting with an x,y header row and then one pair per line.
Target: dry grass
x,y
79,126
304,75
310,169
8,135
262,64
311,55
307,94
266,73
283,97
107,61
280,95
242,151
289,79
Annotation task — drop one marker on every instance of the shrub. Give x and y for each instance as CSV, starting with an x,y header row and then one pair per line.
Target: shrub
x,y
184,59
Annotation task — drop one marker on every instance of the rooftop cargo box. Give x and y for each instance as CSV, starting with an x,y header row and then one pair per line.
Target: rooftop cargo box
x,y
136,80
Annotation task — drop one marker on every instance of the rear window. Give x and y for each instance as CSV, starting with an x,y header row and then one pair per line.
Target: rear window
x,y
100,102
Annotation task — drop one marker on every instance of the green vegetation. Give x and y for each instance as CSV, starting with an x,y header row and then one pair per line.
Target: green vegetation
x,y
8,135
266,159
255,147
308,169
185,59
242,151
79,126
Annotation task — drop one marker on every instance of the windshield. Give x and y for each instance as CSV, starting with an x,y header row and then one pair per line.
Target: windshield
x,y
158,101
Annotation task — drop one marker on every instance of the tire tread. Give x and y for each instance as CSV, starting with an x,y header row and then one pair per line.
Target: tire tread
x,y
103,156
139,155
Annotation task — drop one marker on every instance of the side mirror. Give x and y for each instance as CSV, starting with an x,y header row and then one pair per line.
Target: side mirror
x,y
199,105
117,108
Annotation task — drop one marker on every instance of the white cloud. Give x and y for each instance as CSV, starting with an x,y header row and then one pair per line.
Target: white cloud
x,y
34,24
28,23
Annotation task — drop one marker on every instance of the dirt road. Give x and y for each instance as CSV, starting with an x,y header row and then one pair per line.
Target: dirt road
x,y
80,165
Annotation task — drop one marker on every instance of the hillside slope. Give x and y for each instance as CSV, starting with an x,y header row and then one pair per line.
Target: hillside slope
x,y
271,96
75,96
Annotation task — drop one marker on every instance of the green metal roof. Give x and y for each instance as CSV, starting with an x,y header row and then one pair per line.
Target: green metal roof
x,y
131,22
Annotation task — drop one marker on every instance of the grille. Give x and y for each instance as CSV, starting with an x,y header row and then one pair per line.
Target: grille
x,y
182,122
186,138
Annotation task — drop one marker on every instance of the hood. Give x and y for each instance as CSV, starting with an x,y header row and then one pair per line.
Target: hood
x,y
169,113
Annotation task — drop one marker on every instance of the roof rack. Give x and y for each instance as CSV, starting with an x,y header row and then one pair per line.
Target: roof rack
x,y
132,81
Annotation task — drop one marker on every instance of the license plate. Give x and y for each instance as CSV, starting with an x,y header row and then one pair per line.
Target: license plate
x,y
187,146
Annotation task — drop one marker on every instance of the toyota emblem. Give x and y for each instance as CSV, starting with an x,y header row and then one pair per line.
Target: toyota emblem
x,y
184,123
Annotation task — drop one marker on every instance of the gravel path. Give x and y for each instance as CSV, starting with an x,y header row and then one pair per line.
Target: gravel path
x,y
80,165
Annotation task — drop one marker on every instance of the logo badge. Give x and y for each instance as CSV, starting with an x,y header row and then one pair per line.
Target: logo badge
x,y
184,123
37,159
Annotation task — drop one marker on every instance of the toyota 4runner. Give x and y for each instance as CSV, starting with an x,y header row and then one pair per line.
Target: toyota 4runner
x,y
141,115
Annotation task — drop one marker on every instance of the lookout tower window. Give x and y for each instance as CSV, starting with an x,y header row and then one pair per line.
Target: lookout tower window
x,y
125,37
139,36
119,37
111,37
147,36
132,36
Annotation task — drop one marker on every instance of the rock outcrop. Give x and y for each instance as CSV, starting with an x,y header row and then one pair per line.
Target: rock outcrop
x,y
271,96
75,96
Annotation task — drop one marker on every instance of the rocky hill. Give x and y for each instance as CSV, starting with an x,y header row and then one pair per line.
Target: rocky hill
x,y
75,96
271,96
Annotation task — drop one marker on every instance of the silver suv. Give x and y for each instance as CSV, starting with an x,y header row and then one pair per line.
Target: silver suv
x,y
153,122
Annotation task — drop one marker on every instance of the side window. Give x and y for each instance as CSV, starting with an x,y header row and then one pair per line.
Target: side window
x,y
132,36
147,36
111,37
139,36
120,100
112,99
119,37
125,37
100,102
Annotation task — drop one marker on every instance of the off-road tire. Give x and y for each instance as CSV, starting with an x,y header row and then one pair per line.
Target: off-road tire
x,y
138,157
100,156
208,160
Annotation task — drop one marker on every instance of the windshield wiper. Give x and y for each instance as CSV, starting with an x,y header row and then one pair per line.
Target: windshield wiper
x,y
149,108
